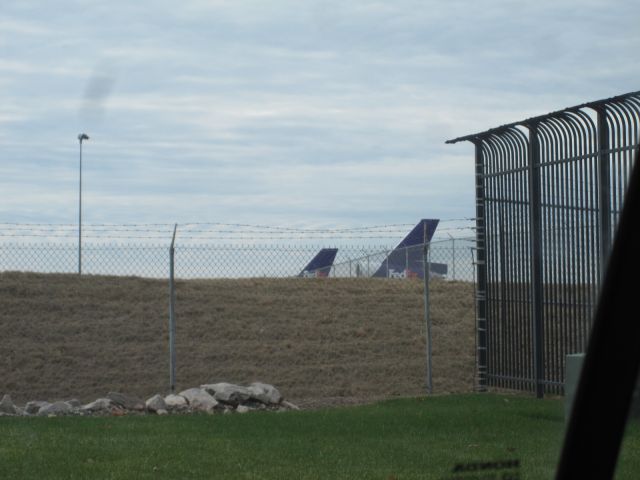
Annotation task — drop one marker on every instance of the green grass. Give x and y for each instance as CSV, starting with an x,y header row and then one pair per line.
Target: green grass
x,y
409,438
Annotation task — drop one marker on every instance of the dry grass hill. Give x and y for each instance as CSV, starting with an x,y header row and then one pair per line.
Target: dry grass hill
x,y
320,341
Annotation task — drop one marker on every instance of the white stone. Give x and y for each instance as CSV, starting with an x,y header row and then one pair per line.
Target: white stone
x,y
32,408
7,407
98,405
265,393
156,403
228,392
173,400
56,408
242,409
128,402
199,400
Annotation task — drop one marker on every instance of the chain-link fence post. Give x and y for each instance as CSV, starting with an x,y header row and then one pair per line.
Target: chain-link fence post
x,y
172,314
427,318
453,257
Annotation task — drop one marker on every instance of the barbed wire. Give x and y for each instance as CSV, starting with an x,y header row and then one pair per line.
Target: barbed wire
x,y
21,225
215,235
242,232
183,225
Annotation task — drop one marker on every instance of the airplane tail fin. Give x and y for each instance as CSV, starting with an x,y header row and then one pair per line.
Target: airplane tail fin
x,y
406,260
320,265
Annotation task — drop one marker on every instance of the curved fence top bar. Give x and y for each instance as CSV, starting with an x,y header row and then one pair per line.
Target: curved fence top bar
x,y
632,97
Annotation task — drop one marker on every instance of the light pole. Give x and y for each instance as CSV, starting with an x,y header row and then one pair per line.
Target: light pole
x,y
81,137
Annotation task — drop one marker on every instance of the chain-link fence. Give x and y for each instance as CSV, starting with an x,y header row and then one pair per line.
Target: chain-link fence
x,y
449,260
356,330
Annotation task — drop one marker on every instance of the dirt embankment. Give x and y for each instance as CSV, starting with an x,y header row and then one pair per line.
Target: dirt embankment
x,y
320,341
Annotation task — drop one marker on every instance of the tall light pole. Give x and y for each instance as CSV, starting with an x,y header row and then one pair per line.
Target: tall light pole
x,y
81,137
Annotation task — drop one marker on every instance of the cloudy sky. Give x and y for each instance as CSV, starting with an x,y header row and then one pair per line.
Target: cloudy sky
x,y
283,112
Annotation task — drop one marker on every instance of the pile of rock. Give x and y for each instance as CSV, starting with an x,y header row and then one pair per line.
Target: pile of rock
x,y
209,398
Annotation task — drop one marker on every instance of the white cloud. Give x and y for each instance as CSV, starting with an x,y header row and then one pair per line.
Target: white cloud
x,y
286,110
13,27
24,67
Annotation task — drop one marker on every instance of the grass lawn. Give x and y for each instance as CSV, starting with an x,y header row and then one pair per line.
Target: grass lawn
x,y
398,439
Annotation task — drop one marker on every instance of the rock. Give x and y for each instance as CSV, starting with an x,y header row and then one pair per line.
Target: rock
x,y
127,402
265,393
156,403
7,407
53,409
256,405
228,392
289,405
100,405
199,400
34,407
190,393
225,397
172,400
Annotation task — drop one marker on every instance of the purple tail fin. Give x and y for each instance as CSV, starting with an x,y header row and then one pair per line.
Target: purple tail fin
x,y
321,264
407,259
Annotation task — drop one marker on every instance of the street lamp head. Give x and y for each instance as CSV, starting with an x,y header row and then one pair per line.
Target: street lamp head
x,y
83,136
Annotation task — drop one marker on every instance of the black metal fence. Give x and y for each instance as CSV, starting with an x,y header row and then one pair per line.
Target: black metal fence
x,y
549,191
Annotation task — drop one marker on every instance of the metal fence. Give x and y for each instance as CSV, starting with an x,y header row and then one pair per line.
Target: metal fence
x,y
421,317
549,191
450,259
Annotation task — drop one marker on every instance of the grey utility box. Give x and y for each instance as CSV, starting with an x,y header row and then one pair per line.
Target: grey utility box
x,y
572,377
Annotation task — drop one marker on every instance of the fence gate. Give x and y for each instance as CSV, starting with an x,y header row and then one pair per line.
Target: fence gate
x,y
549,191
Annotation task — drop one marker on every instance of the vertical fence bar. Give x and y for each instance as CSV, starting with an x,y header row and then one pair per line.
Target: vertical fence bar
x,y
453,257
505,319
481,269
80,214
474,266
495,328
172,313
535,217
568,153
604,192
593,251
426,268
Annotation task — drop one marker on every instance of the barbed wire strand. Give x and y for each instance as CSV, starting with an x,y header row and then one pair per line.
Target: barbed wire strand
x,y
137,227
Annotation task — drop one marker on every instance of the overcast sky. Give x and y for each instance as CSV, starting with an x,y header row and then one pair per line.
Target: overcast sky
x,y
301,113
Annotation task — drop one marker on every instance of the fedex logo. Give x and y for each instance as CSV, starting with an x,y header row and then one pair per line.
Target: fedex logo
x,y
395,274
315,274
402,274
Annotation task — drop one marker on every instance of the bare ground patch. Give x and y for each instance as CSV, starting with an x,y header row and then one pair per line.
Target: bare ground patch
x,y
320,341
